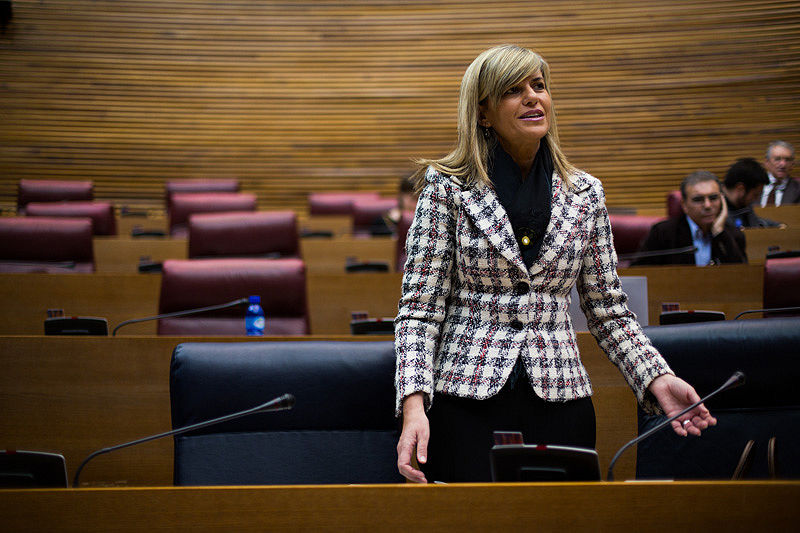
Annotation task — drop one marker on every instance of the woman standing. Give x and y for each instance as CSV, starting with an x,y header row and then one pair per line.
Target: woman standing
x,y
504,228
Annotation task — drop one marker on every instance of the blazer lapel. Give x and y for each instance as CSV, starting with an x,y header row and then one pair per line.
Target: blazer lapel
x,y
562,201
482,205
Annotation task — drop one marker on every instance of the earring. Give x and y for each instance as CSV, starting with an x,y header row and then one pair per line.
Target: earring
x,y
486,133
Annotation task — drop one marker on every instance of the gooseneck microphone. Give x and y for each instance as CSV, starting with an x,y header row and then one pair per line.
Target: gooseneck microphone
x,y
658,253
174,314
280,403
770,310
734,381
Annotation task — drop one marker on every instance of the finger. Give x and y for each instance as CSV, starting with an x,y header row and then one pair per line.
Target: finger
x,y
677,426
422,447
412,474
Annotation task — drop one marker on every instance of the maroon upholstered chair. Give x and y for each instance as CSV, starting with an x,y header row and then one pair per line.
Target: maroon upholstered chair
x,y
52,191
336,203
192,283
629,232
104,222
402,232
186,204
50,245
782,284
674,208
260,233
367,213
199,185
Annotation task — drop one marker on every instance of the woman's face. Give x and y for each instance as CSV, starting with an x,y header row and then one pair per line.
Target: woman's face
x,y
522,116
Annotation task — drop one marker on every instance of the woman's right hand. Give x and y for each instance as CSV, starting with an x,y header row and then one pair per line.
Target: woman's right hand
x,y
416,432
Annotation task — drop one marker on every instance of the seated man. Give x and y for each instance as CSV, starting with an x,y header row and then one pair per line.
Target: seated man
x,y
407,197
700,236
743,184
782,189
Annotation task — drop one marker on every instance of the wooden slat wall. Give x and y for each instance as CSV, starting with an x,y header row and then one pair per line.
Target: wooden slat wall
x,y
291,97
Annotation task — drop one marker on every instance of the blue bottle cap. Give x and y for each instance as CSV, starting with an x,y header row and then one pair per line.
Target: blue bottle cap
x,y
255,299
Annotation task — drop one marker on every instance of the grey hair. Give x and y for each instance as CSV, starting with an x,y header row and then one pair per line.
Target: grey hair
x,y
782,144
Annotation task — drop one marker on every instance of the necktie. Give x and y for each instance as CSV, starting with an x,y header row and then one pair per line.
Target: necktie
x,y
771,195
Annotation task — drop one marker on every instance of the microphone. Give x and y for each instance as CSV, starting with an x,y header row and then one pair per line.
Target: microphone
x,y
734,381
280,403
770,310
658,253
234,303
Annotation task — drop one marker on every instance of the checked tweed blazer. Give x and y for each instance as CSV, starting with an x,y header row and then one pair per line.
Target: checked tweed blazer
x,y
470,307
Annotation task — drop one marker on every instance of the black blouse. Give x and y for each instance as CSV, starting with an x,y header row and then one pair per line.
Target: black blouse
x,y
526,201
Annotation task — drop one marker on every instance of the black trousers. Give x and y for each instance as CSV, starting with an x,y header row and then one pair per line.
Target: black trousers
x,y
462,429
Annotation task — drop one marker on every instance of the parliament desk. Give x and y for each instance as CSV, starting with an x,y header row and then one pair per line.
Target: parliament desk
x,y
759,241
118,297
567,507
786,214
75,395
322,255
727,288
333,297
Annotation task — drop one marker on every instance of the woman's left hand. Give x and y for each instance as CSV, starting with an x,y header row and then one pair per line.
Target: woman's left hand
x,y
675,395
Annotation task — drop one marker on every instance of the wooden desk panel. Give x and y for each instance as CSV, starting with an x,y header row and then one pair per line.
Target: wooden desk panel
x,y
333,297
118,297
125,224
74,395
322,255
121,254
329,256
727,288
787,214
761,240
664,506
339,225
26,297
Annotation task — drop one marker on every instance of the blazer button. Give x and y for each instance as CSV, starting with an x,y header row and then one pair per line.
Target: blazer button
x,y
521,288
516,324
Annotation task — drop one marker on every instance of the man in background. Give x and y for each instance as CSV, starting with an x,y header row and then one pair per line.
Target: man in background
x,y
702,235
743,184
782,189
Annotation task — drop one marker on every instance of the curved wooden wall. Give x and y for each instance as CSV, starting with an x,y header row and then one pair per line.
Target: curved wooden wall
x,y
329,95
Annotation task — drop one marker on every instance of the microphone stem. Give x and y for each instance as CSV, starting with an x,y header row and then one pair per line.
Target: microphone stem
x,y
180,313
610,475
270,405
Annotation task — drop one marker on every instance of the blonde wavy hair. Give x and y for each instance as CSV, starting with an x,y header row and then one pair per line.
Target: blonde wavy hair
x,y
490,75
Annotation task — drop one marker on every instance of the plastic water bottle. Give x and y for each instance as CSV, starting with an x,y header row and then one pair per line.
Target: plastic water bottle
x,y
254,320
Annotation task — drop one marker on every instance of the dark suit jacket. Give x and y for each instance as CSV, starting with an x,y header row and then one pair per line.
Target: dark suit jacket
x,y
791,194
727,247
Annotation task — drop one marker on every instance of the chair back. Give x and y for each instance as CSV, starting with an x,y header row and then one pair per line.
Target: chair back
x,y
49,245
195,283
341,429
104,222
258,233
336,203
629,232
766,406
52,191
187,204
782,284
674,207
368,213
199,185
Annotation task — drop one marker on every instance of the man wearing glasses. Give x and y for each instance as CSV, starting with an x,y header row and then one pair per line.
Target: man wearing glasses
x,y
702,235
